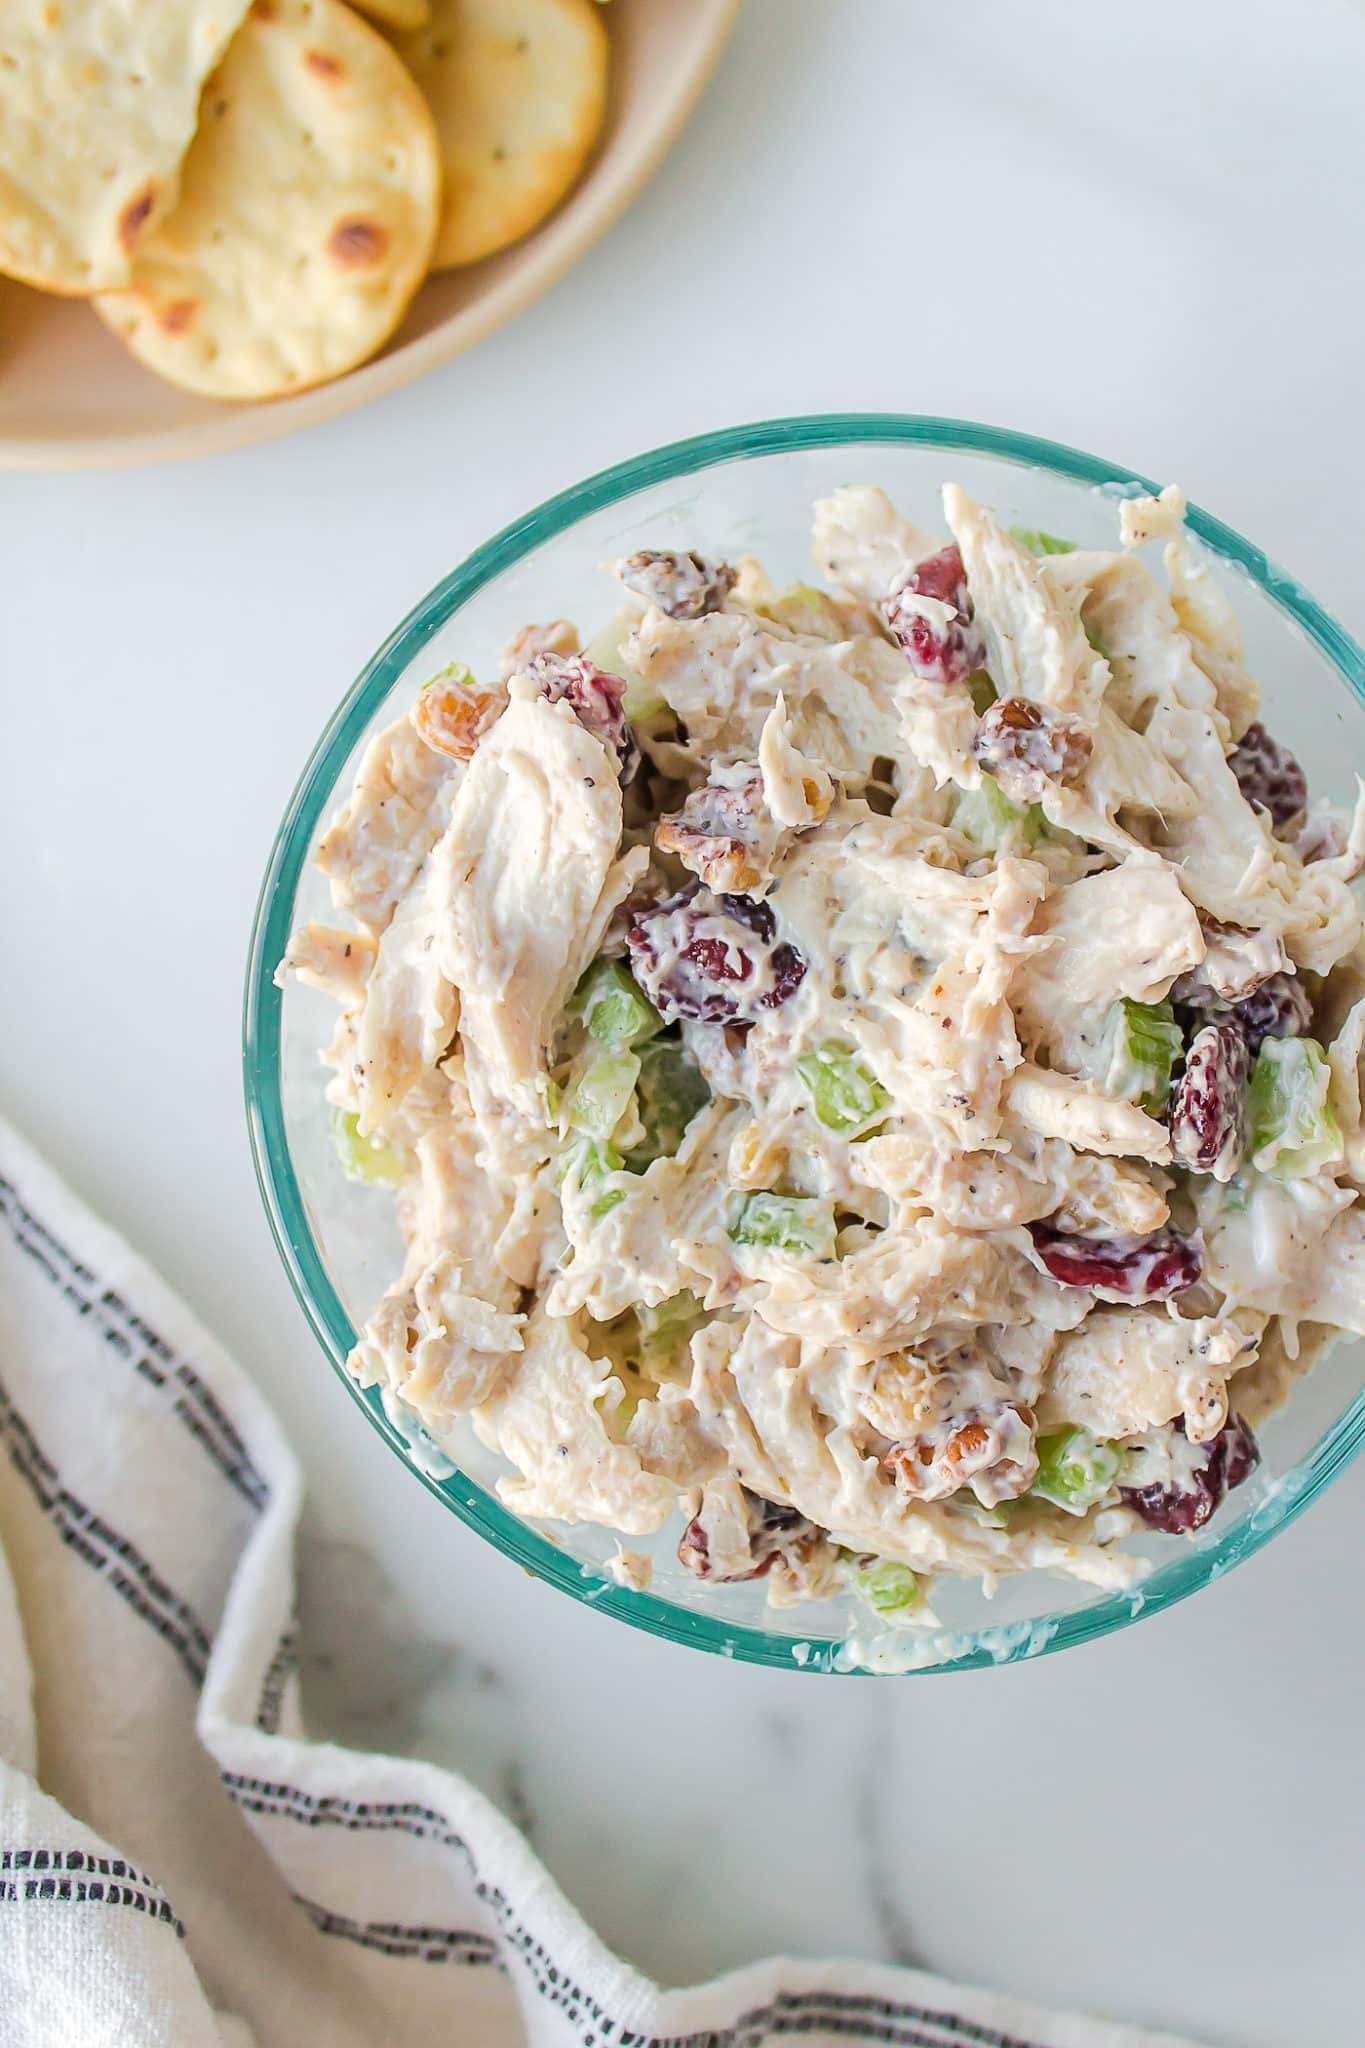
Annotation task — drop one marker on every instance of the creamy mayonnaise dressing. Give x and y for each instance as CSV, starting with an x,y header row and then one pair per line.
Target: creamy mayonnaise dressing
x,y
852,1134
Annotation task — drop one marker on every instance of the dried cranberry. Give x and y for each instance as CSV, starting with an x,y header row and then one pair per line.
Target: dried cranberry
x,y
717,832
650,891
715,960
786,967
594,697
1025,747
1279,1008
694,1550
1269,775
1230,1457
1120,1268
773,1531
788,971
685,586
941,654
712,958
753,913
693,1547
1207,1106
941,576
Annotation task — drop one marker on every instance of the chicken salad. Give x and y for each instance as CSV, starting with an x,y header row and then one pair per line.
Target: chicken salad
x,y
867,1071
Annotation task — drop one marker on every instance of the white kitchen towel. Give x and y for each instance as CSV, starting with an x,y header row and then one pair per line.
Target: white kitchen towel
x,y
180,1867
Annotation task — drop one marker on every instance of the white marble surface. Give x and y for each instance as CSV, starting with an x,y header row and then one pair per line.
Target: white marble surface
x,y
1137,230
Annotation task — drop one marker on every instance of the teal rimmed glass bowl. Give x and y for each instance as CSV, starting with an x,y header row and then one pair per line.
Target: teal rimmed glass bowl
x,y
750,489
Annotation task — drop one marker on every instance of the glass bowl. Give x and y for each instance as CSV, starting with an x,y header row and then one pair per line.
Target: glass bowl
x,y
751,489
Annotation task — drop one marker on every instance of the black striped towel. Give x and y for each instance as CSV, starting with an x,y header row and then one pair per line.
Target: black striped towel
x,y
179,1866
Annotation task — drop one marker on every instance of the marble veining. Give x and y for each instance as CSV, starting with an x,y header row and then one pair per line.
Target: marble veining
x,y
364,1675
873,1821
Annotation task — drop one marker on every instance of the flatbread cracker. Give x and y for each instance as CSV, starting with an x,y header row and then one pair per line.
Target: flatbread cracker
x,y
98,100
309,204
399,15
519,91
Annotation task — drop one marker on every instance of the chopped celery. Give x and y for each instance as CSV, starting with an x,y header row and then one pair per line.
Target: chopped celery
x,y
1039,543
454,672
1293,1130
669,1092
804,609
665,1329
1075,1470
997,1516
1138,1048
641,700
584,1161
551,1099
845,1094
612,1006
988,818
786,1223
363,1158
1098,645
600,1093
982,691
619,1418
889,1587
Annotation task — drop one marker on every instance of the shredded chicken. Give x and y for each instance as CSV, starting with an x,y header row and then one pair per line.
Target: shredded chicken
x,y
800,1144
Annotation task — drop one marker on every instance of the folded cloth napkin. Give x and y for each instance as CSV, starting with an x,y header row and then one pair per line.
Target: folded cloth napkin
x,y
180,1867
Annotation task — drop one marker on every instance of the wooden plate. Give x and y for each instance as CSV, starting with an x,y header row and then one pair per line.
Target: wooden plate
x,y
72,398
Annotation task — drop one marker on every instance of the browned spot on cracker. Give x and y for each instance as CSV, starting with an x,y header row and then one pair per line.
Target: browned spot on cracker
x,y
134,215
176,317
324,63
265,10
356,242
52,15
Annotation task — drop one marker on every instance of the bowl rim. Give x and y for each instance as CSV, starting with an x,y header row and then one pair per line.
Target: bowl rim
x,y
539,1553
